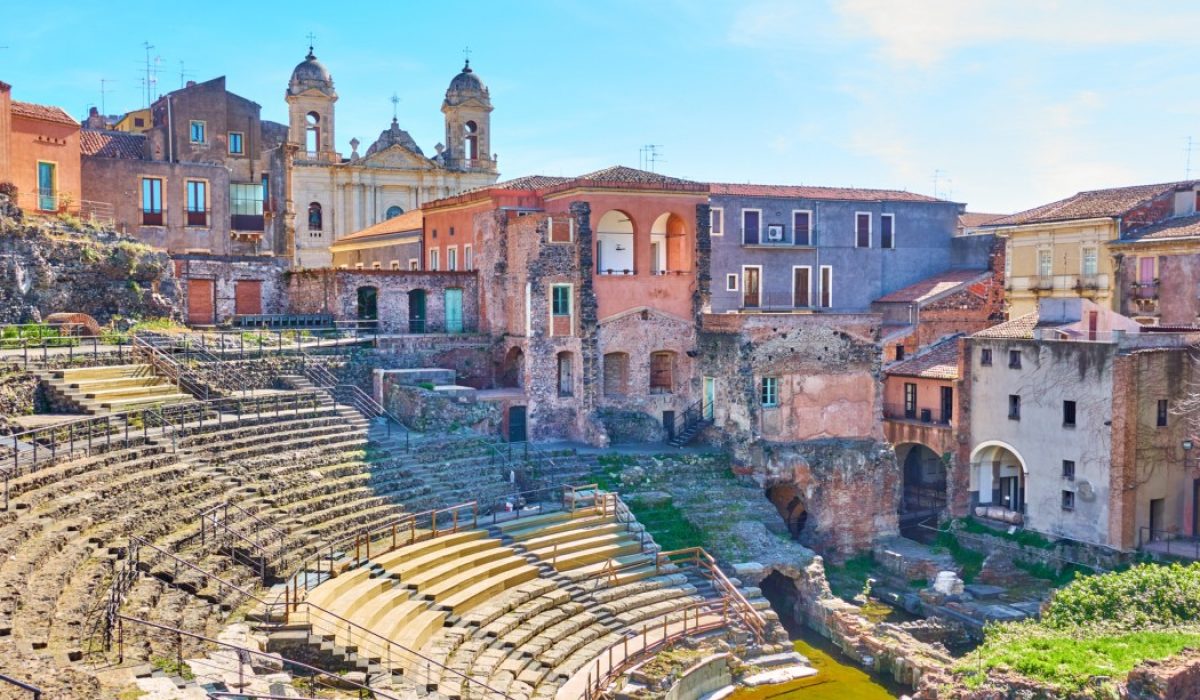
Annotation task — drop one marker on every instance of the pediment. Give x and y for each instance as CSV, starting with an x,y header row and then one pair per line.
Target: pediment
x,y
399,158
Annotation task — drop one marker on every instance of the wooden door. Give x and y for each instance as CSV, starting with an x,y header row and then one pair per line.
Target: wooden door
x,y
751,297
247,297
201,305
800,288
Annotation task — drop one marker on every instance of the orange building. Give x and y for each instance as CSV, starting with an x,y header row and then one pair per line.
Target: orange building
x,y
39,153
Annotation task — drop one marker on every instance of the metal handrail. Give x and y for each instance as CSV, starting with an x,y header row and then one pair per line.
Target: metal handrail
x,y
701,558
140,542
37,692
183,378
684,420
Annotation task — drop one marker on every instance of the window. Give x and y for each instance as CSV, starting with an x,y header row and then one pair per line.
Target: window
x,y
802,227
862,230
434,262
985,357
716,218
393,212
152,211
138,121
887,231
395,265
731,282
246,207
910,400
197,203
468,258
751,223
769,392
560,300
801,287
562,229
1068,414
312,133
1014,407
435,233
316,221
1068,500
471,140
616,374
662,369
376,265
452,258
452,232
826,286
1090,266
1161,418
1014,359
198,132
1045,262
414,264
235,143
358,266
1068,469
899,351
566,374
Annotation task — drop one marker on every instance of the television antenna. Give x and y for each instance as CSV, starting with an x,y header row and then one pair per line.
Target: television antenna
x,y
649,156
1187,169
104,83
183,75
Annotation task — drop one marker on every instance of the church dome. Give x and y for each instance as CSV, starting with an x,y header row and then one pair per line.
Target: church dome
x,y
393,136
310,74
466,85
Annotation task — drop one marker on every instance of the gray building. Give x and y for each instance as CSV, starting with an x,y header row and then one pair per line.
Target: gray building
x,y
788,248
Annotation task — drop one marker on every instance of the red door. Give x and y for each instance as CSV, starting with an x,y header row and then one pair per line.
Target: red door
x,y
201,302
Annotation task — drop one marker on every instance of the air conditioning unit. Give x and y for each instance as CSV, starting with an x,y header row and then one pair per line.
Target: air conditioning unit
x,y
775,234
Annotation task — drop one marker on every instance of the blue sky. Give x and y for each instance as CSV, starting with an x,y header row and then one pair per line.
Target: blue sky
x,y
1015,102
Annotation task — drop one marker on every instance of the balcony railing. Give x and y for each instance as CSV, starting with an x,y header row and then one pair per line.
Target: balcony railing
x,y
785,239
916,414
197,217
247,222
1145,290
1046,283
610,272
152,218
771,302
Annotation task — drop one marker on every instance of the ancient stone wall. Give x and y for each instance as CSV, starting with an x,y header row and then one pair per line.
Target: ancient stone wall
x,y
226,272
425,410
336,292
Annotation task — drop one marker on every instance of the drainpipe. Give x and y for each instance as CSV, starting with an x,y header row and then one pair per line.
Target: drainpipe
x,y
170,133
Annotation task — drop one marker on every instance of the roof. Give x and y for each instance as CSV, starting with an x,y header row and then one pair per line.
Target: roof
x,y
624,175
527,182
111,144
1178,227
1092,204
940,361
931,287
815,192
45,113
1020,327
408,221
971,219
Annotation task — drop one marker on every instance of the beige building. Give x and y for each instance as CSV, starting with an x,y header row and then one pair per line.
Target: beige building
x,y
394,244
331,196
1060,250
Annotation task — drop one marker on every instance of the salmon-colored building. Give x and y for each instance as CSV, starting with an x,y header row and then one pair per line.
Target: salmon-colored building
x,y
593,283
39,154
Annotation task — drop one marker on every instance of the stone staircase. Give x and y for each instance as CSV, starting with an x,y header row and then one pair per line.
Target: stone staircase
x,y
112,389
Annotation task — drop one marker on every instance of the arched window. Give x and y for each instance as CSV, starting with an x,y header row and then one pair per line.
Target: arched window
x,y
315,219
471,141
393,212
566,374
312,132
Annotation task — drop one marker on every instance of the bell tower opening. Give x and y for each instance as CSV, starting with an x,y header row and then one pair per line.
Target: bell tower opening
x,y
312,133
468,108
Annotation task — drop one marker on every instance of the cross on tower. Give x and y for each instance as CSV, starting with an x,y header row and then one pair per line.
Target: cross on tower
x,y
395,106
467,54
311,38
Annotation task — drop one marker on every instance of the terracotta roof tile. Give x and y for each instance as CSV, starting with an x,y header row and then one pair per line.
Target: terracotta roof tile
x,y
408,221
940,361
112,144
1178,227
815,192
45,113
931,287
971,219
1091,204
1017,328
621,174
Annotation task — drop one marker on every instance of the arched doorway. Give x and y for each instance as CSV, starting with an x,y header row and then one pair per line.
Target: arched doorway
x,y
416,311
924,480
788,500
368,305
512,370
998,476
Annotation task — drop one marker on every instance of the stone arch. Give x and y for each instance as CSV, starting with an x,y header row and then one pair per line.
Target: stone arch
x,y
393,211
312,132
316,217
790,502
998,475
471,140
512,369
615,243
923,478
670,249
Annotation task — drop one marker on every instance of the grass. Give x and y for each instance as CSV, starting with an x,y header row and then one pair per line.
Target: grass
x,y
1025,538
1069,659
171,667
970,561
666,524
847,579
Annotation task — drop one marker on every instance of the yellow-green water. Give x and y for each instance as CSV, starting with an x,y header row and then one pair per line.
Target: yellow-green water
x,y
836,679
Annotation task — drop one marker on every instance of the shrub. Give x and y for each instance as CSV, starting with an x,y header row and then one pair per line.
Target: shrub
x,y
1147,594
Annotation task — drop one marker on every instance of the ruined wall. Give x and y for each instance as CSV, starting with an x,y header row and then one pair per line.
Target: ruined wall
x,y
336,292
44,270
226,272
472,357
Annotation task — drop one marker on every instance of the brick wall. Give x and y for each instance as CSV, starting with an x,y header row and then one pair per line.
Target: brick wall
x,y
336,292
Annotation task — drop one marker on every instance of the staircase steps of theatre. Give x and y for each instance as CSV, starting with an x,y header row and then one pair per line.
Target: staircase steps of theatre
x,y
111,389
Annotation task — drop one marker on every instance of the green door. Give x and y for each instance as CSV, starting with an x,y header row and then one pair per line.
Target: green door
x,y
454,318
46,199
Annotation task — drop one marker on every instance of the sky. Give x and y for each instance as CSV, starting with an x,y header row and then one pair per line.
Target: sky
x,y
1001,104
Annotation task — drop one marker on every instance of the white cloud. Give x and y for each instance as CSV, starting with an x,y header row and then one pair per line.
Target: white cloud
x,y
924,33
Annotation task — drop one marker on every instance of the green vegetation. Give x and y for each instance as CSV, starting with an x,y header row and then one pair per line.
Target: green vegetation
x,y
968,560
171,667
35,335
1058,579
1097,628
1025,538
849,578
667,526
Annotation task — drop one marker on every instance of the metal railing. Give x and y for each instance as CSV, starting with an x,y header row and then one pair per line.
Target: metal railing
x,y
183,378
739,606
41,348
216,520
1168,543
930,416
351,395
209,369
35,691
765,302
688,417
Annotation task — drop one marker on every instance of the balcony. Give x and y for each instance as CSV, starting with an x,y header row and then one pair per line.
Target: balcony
x,y
247,222
763,302
1085,285
777,238
924,416
197,217
152,218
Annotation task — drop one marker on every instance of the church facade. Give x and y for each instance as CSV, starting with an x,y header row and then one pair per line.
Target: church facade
x,y
331,196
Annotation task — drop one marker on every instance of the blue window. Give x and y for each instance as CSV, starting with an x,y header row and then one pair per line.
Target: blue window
x,y
198,132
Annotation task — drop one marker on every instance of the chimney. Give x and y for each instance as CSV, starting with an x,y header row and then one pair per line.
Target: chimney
x,y
191,83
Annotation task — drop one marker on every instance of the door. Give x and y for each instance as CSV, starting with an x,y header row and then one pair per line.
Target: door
x,y
368,305
247,297
416,311
516,424
800,288
751,298
1093,324
710,397
1146,277
201,302
1195,507
47,201
669,424
1157,511
947,404
454,318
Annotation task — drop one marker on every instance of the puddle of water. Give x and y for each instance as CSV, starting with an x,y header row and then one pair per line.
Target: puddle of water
x,y
837,677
